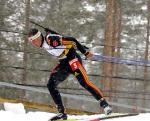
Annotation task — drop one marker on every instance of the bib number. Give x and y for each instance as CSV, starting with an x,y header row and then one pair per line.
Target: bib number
x,y
74,64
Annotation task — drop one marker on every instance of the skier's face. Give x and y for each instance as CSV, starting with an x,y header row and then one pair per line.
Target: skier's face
x,y
37,42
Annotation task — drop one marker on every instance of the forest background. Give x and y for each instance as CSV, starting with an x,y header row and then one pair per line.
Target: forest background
x,y
110,28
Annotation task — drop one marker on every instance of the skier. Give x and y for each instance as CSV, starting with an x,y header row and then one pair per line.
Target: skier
x,y
64,48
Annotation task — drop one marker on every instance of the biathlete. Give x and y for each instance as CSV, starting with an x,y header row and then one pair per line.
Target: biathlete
x,y
64,48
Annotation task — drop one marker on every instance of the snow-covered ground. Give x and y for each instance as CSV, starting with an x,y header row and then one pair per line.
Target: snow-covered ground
x,y
16,112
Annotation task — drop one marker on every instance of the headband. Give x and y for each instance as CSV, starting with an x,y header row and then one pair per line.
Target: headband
x,y
35,36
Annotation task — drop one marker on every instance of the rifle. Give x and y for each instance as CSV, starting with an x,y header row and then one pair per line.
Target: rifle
x,y
47,30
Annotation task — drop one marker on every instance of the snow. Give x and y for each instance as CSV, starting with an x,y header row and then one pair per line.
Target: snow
x,y
15,107
16,112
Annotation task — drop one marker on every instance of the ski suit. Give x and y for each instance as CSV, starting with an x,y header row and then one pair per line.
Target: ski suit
x,y
69,63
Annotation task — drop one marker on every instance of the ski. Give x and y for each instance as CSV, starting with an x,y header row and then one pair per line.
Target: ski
x,y
114,115
65,120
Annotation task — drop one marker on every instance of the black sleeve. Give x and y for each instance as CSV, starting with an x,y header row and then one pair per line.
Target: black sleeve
x,y
80,47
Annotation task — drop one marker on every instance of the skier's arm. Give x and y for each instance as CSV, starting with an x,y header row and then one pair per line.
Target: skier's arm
x,y
81,48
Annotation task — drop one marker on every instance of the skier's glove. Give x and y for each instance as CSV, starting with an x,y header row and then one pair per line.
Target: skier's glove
x,y
88,55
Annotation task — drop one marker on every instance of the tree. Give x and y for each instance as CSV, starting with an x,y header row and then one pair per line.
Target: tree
x,y
25,55
146,53
112,40
2,39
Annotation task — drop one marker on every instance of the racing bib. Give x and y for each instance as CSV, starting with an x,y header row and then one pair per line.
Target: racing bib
x,y
74,64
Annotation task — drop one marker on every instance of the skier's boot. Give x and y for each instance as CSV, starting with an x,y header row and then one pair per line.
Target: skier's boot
x,y
60,114
106,107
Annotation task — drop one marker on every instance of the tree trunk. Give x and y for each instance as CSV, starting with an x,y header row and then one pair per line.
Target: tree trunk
x,y
2,10
107,67
116,34
25,56
116,45
146,52
112,40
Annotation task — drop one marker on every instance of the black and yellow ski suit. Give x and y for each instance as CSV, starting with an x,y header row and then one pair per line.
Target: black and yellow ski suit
x,y
69,63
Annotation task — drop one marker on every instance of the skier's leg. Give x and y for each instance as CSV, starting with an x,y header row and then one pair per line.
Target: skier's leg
x,y
81,75
94,90
58,75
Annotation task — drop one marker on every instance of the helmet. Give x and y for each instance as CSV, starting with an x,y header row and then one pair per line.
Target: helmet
x,y
33,34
